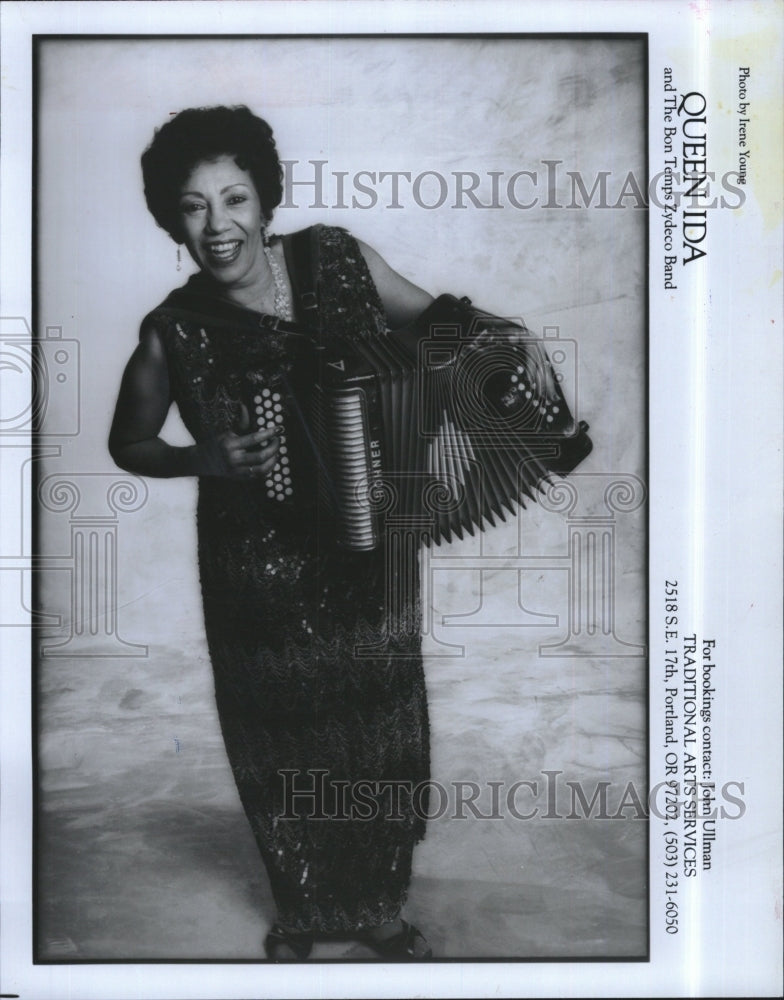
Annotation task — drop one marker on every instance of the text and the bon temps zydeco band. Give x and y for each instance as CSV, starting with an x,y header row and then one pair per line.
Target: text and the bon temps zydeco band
x,y
695,799
687,193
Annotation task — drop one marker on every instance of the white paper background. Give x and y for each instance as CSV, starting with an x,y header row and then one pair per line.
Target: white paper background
x,y
499,712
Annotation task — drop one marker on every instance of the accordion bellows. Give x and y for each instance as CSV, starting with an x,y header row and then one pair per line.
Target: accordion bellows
x,y
442,427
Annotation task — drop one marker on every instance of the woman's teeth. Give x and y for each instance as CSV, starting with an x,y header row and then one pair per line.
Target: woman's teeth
x,y
224,251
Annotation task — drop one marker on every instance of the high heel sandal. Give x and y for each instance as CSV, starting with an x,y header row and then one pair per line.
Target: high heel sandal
x,y
301,943
400,947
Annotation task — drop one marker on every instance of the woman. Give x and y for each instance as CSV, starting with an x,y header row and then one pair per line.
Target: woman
x,y
302,709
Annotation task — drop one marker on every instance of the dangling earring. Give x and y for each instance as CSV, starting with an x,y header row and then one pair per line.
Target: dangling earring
x,y
265,240
179,259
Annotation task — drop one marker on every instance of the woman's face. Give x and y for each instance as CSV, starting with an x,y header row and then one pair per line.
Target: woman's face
x,y
221,219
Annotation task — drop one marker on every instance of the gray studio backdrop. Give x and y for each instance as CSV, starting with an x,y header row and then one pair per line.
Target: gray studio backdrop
x,y
535,631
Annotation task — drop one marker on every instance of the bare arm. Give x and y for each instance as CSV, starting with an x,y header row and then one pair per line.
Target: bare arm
x,y
403,301
140,413
142,406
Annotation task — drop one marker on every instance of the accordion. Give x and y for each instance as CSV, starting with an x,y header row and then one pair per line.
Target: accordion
x,y
443,426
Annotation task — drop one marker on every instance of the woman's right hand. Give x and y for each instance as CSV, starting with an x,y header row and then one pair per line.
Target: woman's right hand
x,y
240,456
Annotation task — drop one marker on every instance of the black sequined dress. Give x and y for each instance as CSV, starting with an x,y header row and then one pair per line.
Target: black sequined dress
x,y
303,708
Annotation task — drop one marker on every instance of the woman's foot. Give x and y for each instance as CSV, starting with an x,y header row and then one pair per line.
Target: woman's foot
x,y
399,941
281,945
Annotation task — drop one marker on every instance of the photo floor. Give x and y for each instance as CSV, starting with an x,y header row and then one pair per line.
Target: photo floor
x,y
144,851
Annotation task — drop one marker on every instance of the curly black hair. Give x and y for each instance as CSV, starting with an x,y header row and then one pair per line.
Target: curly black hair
x,y
199,134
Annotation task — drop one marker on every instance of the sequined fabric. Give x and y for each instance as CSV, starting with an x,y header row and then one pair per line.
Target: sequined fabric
x,y
302,707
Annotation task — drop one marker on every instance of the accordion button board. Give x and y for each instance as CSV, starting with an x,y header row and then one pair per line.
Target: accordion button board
x,y
268,411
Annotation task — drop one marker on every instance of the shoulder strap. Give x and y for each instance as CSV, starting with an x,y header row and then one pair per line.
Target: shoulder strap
x,y
301,250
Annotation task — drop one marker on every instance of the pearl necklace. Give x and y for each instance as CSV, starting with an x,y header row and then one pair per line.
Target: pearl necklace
x,y
283,308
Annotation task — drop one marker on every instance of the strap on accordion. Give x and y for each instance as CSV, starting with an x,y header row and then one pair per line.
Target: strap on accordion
x,y
301,250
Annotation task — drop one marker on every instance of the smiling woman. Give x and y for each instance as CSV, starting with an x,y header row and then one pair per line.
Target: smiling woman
x,y
285,612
